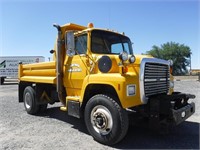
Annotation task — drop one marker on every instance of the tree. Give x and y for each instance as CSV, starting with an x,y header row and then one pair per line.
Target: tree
x,y
179,53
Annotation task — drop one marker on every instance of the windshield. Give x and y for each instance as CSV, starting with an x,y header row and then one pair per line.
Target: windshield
x,y
104,42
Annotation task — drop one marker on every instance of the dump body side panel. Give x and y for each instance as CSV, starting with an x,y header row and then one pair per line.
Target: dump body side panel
x,y
38,73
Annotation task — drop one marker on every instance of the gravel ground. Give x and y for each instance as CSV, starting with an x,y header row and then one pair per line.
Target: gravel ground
x,y
55,130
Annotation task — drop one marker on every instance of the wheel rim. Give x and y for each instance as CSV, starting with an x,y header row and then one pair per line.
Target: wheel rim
x,y
27,100
101,120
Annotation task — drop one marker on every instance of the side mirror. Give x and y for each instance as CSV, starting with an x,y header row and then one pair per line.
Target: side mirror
x,y
69,43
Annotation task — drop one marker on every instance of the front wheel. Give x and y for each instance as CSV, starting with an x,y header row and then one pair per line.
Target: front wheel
x,y
106,120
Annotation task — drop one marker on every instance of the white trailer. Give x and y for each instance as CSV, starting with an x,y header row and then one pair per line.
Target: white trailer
x,y
9,65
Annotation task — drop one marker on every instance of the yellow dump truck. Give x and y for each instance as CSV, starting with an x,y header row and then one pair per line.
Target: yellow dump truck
x,y
95,75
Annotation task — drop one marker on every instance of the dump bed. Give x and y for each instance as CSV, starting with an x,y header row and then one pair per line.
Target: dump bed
x,y
38,73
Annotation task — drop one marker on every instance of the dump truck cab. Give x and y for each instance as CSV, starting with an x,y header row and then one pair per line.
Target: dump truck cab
x,y
95,75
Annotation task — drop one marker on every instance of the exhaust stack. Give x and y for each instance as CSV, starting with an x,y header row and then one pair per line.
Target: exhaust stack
x,y
59,69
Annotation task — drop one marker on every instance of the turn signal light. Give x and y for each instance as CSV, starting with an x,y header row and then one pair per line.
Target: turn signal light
x,y
124,69
171,69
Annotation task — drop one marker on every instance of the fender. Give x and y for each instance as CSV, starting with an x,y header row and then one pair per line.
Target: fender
x,y
119,83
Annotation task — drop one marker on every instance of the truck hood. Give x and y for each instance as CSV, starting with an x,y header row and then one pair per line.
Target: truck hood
x,y
140,57
116,62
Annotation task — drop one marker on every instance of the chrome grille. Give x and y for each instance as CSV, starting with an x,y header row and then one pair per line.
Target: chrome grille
x,y
156,78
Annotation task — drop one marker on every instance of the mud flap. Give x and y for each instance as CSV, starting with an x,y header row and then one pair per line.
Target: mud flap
x,y
73,108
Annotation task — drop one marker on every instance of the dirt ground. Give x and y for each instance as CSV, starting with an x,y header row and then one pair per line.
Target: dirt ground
x,y
54,129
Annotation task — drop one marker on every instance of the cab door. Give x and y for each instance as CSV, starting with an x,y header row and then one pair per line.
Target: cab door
x,y
75,68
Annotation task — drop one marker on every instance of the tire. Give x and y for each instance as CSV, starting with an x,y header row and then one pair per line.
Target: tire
x,y
30,104
106,120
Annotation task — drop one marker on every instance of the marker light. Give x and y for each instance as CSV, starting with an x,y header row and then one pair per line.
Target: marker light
x,y
90,25
131,90
171,84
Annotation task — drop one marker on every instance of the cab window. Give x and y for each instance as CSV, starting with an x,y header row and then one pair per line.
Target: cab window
x,y
104,42
81,44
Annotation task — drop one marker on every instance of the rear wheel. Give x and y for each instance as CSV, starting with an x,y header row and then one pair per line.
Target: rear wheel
x,y
30,101
106,120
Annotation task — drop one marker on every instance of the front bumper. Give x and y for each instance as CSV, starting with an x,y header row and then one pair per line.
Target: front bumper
x,y
171,109
183,113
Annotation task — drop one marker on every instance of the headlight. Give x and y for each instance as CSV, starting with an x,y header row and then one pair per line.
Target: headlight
x,y
132,59
131,90
171,62
123,56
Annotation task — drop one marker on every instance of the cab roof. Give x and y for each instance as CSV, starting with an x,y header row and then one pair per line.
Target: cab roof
x,y
72,26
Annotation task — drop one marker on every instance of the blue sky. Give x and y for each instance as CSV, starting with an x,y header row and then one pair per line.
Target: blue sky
x,y
26,26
